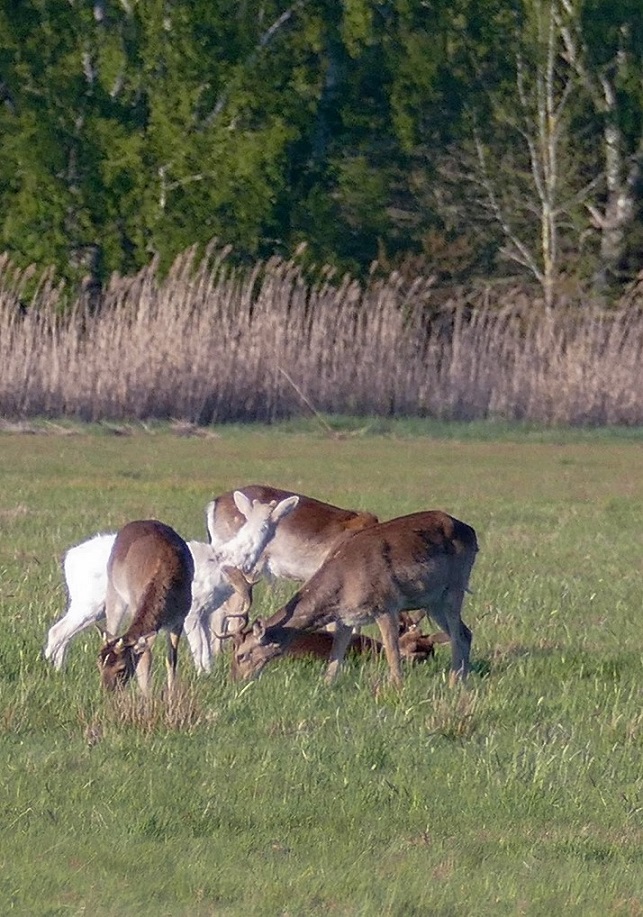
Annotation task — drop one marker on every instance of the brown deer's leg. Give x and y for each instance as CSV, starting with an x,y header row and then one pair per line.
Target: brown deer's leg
x,y
447,614
341,638
144,667
389,628
173,638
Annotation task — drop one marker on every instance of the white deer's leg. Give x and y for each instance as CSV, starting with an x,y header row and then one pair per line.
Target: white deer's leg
x,y
197,635
63,631
341,638
389,626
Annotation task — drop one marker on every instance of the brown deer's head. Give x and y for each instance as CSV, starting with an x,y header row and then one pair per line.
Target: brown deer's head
x,y
118,659
418,647
253,648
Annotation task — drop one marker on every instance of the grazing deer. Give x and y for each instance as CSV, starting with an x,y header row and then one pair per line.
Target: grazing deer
x,y
421,561
414,645
301,542
216,581
150,572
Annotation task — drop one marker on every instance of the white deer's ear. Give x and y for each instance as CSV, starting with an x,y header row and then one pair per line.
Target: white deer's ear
x,y
259,629
209,515
243,504
286,506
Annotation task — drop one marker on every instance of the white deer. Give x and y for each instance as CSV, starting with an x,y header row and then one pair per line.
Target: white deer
x,y
300,545
301,542
85,572
421,561
215,581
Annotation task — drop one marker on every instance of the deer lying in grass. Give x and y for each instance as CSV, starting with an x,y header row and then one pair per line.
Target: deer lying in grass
x,y
150,572
421,561
414,645
216,581
302,541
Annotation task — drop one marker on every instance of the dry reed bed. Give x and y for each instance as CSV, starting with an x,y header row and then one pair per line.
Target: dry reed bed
x,y
212,343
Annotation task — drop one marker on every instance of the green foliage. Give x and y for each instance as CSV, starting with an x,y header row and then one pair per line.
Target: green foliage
x,y
357,25
140,129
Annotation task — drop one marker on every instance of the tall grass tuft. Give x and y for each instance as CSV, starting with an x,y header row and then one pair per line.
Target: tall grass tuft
x,y
211,342
180,712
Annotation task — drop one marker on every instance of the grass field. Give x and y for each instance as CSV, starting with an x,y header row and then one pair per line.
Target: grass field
x,y
519,794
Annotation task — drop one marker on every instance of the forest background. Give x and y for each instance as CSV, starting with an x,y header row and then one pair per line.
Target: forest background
x,y
239,208
467,139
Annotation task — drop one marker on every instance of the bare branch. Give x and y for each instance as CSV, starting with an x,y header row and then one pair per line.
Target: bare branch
x,y
263,43
522,255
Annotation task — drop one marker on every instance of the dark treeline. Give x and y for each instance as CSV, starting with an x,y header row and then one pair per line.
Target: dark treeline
x,y
456,138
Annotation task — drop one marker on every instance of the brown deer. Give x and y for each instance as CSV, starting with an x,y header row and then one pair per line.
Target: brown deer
x,y
149,573
302,540
414,645
421,561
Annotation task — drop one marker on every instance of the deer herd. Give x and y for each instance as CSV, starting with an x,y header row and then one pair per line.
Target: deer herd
x,y
353,569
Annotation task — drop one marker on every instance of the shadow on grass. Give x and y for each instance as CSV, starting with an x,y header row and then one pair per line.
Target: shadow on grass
x,y
566,659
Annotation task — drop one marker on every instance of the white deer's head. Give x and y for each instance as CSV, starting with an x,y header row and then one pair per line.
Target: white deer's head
x,y
245,548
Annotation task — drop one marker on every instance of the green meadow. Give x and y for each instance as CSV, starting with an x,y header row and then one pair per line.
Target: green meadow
x,y
519,793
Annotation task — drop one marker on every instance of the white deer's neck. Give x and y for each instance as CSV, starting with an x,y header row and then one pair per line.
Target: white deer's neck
x,y
244,549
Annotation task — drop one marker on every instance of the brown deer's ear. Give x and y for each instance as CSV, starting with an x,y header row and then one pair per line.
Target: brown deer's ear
x,y
104,635
439,637
237,638
259,630
240,581
142,644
